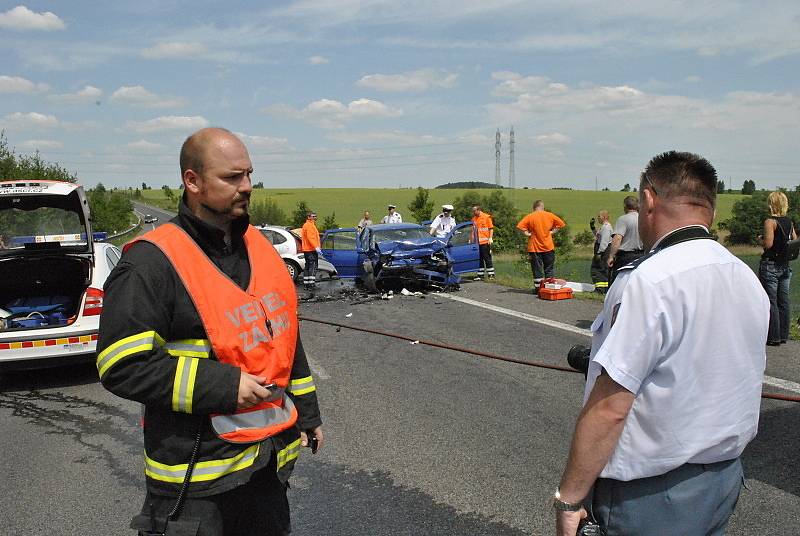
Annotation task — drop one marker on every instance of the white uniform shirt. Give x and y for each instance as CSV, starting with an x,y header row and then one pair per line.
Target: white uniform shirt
x,y
604,234
392,218
442,225
688,339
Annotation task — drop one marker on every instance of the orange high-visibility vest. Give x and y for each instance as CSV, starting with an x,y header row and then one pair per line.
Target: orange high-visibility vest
x,y
483,226
254,330
310,237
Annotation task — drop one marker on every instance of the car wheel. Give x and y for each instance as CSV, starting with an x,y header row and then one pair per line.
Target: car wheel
x,y
369,278
293,268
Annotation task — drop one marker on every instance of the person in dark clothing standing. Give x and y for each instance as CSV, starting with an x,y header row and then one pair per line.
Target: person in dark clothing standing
x,y
774,270
199,325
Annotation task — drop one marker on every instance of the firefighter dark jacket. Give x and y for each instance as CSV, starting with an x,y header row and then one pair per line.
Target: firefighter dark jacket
x,y
153,349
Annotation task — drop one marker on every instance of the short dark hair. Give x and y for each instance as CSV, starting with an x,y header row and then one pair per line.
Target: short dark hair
x,y
631,202
681,174
193,150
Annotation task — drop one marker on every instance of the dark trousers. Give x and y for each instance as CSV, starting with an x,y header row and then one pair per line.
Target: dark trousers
x,y
692,500
543,264
623,258
486,266
258,508
775,278
600,271
310,272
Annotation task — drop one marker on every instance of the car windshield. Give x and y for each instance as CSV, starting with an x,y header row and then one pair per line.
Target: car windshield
x,y
40,225
409,233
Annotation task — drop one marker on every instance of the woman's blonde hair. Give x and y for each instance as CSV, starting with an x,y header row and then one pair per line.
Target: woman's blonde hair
x,y
778,203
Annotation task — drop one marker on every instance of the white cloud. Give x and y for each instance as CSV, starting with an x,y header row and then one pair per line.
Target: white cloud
x,y
22,18
16,84
328,113
39,145
394,137
87,94
175,49
420,80
169,123
30,120
139,96
255,143
318,60
552,139
144,146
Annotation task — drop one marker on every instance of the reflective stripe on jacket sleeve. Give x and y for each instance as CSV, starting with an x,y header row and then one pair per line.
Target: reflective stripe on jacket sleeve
x,y
301,386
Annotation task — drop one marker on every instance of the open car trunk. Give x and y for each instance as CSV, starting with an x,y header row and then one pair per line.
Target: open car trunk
x,y
42,291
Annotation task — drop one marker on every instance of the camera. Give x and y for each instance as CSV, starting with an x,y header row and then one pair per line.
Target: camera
x,y
578,358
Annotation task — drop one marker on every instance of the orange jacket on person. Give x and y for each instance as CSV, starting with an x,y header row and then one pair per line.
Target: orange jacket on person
x,y
310,237
483,226
539,223
253,330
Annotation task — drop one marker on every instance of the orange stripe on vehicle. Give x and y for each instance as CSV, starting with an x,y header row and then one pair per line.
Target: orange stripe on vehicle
x,y
41,343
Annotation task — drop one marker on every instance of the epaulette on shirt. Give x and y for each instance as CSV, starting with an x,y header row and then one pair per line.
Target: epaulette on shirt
x,y
676,237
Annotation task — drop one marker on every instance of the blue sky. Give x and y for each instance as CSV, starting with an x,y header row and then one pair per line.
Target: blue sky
x,y
349,93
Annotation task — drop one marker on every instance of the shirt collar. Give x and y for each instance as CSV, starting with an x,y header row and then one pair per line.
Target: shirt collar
x,y
654,246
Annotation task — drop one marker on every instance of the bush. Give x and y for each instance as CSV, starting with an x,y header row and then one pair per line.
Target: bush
x,y
268,212
329,223
421,207
504,217
584,238
300,214
747,219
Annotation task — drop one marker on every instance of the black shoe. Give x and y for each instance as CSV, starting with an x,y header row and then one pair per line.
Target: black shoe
x,y
773,343
783,341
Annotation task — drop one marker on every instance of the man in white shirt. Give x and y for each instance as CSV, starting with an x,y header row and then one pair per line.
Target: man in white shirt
x,y
669,407
393,216
443,223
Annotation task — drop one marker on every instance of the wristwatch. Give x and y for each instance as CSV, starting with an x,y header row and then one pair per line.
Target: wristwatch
x,y
562,506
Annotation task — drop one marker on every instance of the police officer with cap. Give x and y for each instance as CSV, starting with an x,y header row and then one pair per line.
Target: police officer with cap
x,y
393,216
443,223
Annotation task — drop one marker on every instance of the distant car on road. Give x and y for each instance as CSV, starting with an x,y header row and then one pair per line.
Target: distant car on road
x,y
150,219
288,245
401,254
51,275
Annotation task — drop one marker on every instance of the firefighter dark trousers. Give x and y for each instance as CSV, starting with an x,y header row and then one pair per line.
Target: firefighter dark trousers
x,y
310,273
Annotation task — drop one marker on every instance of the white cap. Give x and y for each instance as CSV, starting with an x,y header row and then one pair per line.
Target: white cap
x,y
447,207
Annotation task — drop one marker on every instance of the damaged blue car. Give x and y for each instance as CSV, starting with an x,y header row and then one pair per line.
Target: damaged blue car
x,y
396,255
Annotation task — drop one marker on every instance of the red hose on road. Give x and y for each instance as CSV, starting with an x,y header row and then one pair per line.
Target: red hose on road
x,y
773,396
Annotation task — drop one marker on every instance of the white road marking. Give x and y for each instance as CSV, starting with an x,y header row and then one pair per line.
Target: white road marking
x,y
768,380
317,369
524,316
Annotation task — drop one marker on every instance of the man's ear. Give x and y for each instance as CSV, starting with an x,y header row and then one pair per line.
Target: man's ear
x,y
191,181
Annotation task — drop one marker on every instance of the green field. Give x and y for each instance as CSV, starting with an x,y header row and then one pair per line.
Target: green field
x,y
575,206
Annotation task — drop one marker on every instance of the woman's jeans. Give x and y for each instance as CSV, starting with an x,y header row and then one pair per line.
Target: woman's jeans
x,y
775,278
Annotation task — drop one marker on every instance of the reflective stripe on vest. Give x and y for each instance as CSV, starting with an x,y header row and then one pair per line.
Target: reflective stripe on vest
x,y
251,421
203,471
254,330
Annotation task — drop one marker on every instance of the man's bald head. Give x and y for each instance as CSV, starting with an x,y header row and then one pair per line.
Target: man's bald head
x,y
193,150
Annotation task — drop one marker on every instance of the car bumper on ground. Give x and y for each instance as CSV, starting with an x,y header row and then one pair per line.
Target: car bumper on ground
x,y
46,350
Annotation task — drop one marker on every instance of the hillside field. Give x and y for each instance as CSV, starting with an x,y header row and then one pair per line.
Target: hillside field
x,y
575,206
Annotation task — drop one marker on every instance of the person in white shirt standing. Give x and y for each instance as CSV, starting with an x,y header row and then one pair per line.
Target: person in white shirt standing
x,y
393,216
443,223
669,406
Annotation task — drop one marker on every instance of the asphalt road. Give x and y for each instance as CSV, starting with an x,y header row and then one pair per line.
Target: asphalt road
x,y
420,440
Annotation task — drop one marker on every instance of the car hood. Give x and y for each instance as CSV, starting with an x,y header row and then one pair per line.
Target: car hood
x,y
417,247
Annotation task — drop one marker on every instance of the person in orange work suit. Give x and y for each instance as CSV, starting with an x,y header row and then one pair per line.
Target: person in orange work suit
x,y
484,229
539,227
311,250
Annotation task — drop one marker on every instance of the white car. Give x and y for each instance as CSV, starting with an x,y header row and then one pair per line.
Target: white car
x,y
288,245
51,275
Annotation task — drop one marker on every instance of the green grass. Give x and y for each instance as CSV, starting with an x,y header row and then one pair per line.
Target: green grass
x,y
575,206
514,273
